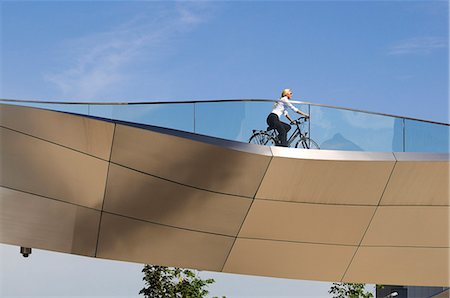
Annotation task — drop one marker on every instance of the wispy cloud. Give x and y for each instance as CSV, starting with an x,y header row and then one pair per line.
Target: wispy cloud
x,y
99,62
418,45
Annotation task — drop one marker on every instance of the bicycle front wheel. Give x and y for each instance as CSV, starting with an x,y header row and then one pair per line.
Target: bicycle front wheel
x,y
307,143
262,138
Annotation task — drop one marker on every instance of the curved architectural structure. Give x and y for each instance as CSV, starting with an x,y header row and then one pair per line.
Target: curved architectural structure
x,y
125,191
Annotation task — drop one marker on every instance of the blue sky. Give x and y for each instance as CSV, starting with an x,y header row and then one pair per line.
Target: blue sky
x,y
381,56
388,56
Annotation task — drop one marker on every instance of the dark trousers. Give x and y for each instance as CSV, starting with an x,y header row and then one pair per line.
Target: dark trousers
x,y
282,128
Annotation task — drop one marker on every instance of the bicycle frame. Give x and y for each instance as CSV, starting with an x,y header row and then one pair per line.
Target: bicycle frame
x,y
297,133
294,135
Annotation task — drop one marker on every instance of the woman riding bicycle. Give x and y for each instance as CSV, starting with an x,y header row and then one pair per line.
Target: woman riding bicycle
x,y
273,120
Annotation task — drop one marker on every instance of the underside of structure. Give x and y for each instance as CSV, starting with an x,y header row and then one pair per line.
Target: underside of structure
x,y
124,191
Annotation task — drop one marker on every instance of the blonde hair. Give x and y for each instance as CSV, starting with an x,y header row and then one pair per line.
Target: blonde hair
x,y
285,91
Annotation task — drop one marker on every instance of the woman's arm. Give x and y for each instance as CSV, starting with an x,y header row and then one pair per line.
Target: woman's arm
x,y
292,107
303,113
289,117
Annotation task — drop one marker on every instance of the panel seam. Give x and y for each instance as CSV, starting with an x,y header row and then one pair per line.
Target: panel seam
x,y
49,198
248,211
53,143
371,219
318,203
339,244
167,225
92,208
180,183
228,235
104,192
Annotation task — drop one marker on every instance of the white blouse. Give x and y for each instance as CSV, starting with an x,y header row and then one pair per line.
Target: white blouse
x,y
280,106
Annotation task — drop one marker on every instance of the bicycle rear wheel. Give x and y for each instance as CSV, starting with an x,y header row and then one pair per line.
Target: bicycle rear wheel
x,y
262,138
307,143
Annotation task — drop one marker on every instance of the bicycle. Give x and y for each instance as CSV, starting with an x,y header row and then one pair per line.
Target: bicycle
x,y
269,137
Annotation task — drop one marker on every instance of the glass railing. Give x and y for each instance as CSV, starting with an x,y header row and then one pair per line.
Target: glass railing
x,y
332,128
426,137
339,129
170,115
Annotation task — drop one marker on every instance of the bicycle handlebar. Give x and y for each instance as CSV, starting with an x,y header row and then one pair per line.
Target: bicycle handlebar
x,y
300,120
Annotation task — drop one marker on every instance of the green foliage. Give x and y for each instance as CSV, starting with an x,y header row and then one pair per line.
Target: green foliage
x,y
349,290
167,282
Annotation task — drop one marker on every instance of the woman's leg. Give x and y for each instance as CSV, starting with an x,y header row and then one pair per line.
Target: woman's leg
x,y
287,127
274,121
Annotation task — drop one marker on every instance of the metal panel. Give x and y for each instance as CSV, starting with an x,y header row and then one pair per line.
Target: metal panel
x,y
193,163
83,134
178,185
419,183
157,200
300,222
32,221
400,265
326,177
444,294
332,155
138,241
36,166
289,260
416,156
409,226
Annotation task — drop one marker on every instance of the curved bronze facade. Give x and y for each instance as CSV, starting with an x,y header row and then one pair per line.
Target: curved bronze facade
x,y
146,194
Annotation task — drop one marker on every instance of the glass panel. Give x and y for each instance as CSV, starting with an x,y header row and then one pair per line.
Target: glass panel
x,y
71,108
103,111
337,129
229,120
176,116
331,128
426,137
233,120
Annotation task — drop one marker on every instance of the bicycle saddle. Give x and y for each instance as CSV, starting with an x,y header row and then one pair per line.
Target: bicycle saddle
x,y
269,128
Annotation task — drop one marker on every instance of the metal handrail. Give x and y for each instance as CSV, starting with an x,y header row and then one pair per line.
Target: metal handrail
x,y
214,101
